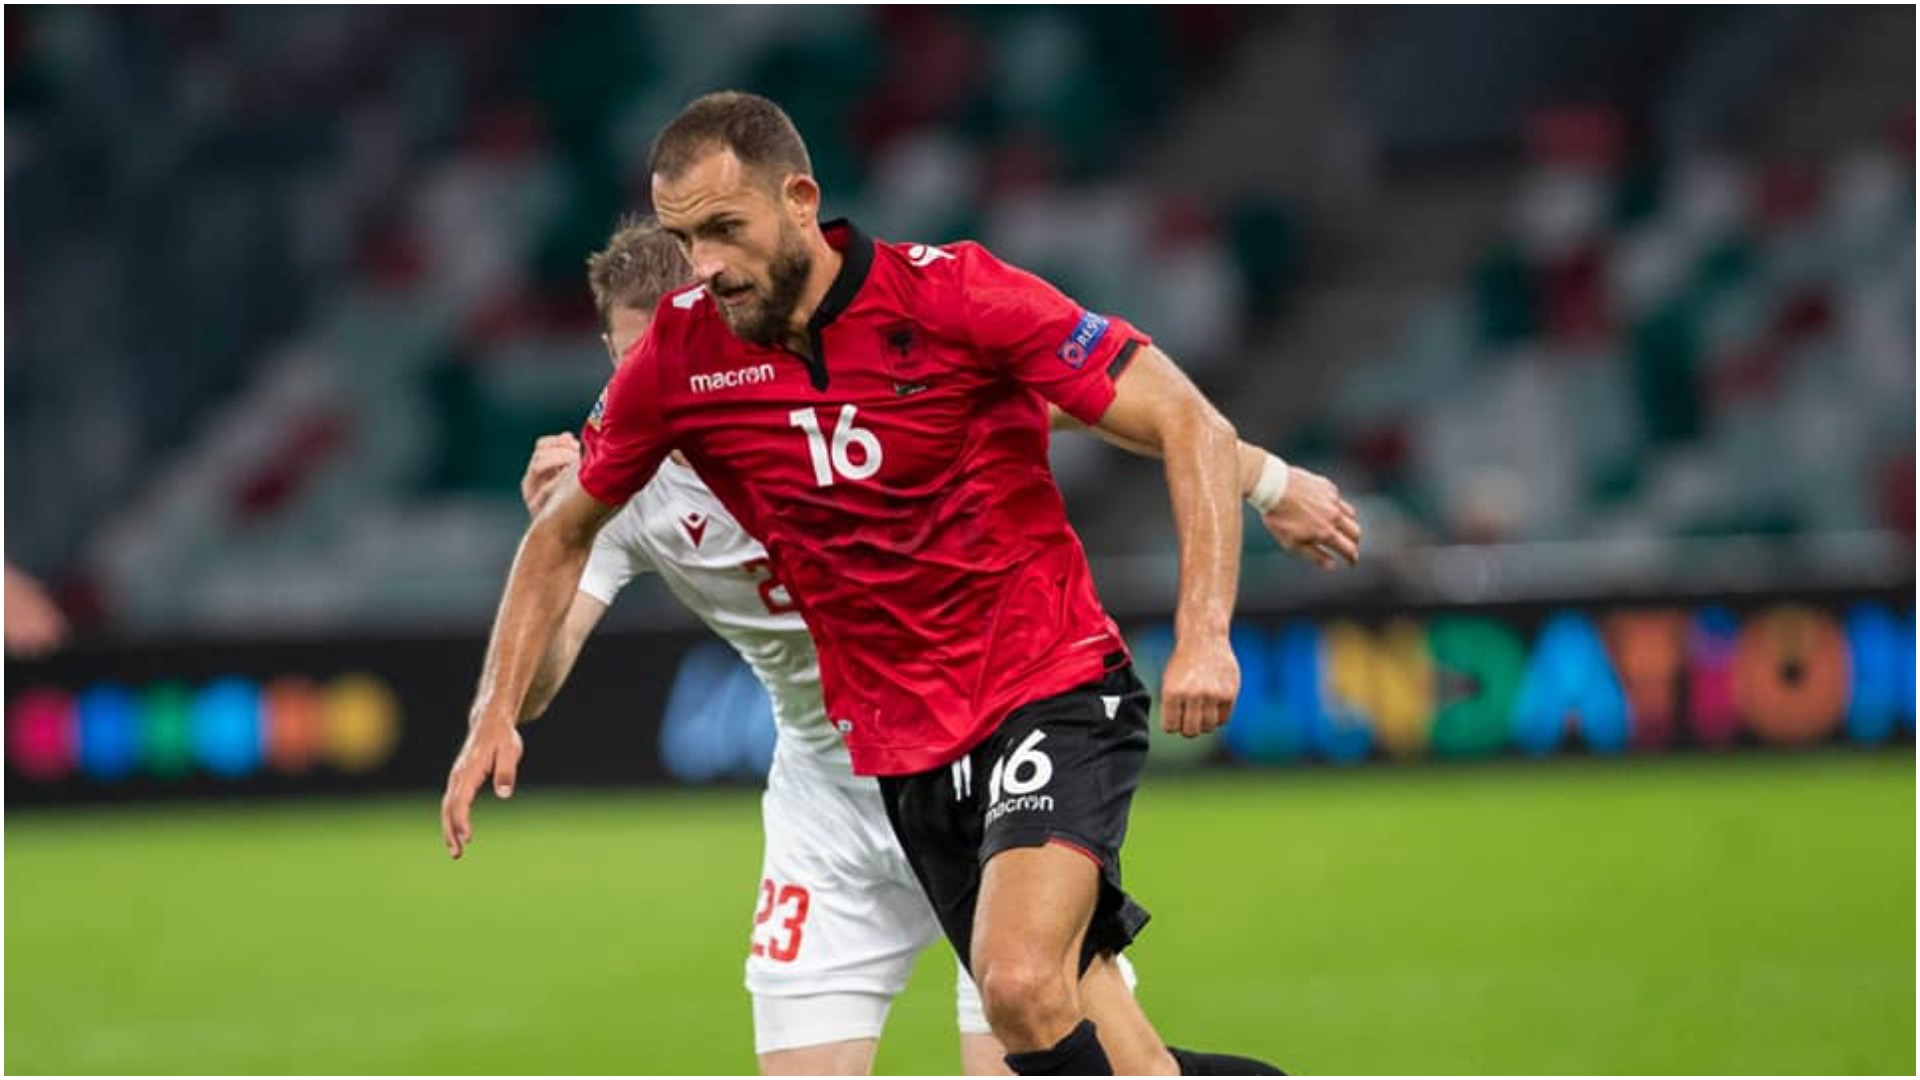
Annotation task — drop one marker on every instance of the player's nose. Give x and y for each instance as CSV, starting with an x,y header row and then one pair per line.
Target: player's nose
x,y
706,267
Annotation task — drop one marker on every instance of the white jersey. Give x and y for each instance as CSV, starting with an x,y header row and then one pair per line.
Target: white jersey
x,y
676,528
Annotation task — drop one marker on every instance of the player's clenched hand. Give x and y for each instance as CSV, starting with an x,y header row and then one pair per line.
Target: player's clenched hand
x,y
1314,522
552,456
492,749
1198,687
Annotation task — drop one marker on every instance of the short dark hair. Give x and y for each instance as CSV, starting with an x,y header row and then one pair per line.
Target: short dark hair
x,y
639,265
759,132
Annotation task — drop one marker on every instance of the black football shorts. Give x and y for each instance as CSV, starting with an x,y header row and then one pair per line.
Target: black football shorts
x,y
1061,769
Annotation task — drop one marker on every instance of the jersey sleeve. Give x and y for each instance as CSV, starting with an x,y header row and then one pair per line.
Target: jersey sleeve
x,y
1069,354
625,437
617,559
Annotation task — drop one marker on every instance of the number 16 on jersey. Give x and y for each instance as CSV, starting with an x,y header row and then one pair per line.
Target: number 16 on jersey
x,y
837,461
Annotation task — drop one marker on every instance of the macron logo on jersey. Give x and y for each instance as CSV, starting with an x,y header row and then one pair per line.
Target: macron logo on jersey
x,y
696,526
686,300
1085,338
727,380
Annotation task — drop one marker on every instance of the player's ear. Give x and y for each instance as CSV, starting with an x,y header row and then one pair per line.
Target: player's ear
x,y
801,194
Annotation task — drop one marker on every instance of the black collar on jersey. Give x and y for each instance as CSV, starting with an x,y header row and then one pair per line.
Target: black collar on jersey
x,y
856,258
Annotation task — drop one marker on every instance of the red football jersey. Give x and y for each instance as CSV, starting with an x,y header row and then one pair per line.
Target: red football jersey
x,y
899,481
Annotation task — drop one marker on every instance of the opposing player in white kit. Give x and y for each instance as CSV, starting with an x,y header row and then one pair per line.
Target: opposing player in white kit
x,y
840,916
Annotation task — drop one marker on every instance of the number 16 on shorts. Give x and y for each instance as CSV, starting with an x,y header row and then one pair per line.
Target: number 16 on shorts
x,y
778,923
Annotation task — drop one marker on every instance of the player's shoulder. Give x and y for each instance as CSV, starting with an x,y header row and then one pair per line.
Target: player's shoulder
x,y
935,281
959,268
932,262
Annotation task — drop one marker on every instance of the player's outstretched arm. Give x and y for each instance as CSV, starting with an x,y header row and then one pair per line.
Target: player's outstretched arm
x,y
1307,517
554,458
539,588
1157,405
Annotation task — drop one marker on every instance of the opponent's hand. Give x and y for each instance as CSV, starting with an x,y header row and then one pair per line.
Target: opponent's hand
x,y
552,456
1198,687
1314,522
492,749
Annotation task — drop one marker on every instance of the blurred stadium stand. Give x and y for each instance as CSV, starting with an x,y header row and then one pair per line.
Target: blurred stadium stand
x,y
293,290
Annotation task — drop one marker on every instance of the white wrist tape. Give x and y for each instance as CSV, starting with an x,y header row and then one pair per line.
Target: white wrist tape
x,y
1271,487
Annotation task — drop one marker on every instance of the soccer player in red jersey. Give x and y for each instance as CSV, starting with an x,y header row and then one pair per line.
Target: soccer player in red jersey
x,y
877,415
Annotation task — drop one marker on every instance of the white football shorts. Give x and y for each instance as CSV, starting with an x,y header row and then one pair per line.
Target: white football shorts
x,y
839,918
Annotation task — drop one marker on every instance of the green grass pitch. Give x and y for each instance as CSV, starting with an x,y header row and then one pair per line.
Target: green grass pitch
x,y
1745,914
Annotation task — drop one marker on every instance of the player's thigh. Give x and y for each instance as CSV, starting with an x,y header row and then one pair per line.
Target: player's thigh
x,y
1033,911
1062,772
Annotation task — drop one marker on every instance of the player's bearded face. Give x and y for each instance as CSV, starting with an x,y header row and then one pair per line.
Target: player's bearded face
x,y
763,313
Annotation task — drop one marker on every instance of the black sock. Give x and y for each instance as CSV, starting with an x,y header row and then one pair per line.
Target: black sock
x,y
1195,1063
1079,1054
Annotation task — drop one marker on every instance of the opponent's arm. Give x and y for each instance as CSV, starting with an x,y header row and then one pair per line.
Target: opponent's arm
x,y
545,576
552,456
582,616
1309,518
1156,405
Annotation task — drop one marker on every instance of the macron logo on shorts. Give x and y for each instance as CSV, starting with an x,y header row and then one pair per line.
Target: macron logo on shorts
x,y
727,380
1021,776
1085,338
